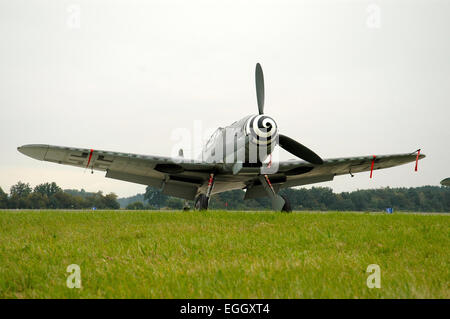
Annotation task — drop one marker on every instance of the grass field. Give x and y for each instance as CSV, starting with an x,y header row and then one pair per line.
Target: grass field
x,y
223,254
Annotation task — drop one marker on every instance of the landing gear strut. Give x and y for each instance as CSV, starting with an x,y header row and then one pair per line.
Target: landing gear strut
x,y
279,202
202,200
287,204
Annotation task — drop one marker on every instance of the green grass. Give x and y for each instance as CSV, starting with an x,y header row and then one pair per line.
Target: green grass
x,y
219,254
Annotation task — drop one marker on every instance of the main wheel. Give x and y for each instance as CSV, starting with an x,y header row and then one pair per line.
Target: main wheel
x,y
201,202
287,205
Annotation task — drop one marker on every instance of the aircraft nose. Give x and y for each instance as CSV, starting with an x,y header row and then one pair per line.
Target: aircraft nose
x,y
35,151
262,129
266,125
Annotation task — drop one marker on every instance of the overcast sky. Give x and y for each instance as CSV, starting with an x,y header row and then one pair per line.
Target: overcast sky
x,y
344,78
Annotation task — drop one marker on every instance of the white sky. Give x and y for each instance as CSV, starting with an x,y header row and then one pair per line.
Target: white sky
x,y
134,71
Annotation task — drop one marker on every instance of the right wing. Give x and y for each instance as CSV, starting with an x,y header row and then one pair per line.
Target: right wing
x,y
301,172
297,172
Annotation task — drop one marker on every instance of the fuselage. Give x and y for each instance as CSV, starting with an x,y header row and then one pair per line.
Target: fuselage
x,y
249,140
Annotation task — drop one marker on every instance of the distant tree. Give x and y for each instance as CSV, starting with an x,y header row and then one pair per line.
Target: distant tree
x,y
110,201
19,194
155,197
124,201
135,206
3,199
81,193
38,200
48,189
62,200
174,203
20,189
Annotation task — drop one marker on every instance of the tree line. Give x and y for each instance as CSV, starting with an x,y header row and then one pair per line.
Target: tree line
x,y
50,195
414,199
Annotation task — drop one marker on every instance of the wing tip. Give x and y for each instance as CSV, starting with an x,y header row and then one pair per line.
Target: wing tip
x,y
36,151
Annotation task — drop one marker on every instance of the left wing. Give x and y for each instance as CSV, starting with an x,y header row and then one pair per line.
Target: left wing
x,y
175,176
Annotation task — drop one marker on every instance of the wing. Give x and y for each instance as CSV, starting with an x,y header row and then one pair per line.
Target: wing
x,y
297,172
185,178
175,176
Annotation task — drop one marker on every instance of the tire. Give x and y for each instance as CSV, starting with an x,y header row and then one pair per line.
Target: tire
x,y
201,202
287,205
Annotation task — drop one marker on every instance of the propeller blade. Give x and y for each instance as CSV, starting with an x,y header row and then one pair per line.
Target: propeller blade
x,y
299,150
259,79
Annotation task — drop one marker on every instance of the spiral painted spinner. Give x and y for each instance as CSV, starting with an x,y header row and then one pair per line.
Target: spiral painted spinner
x,y
262,129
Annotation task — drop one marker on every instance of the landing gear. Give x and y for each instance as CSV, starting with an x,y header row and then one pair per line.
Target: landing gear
x,y
201,202
279,202
287,205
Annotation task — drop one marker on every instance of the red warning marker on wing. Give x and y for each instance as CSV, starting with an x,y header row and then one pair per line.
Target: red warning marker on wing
x,y
371,167
90,157
417,159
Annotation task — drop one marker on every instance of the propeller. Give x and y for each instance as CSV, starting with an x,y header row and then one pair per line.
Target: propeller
x,y
298,149
259,79
285,142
